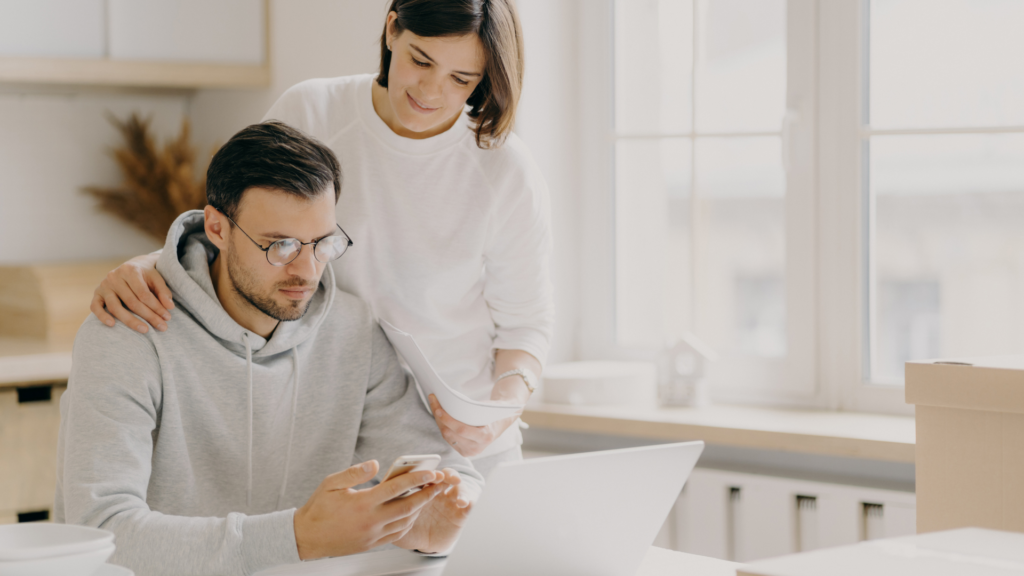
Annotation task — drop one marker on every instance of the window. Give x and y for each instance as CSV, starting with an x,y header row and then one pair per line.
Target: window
x,y
821,191
944,139
700,188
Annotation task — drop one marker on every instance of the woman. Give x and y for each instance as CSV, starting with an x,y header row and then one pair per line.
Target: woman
x,y
448,211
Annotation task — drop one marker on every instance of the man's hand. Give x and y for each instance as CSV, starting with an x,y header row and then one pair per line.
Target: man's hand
x,y
439,523
337,520
137,285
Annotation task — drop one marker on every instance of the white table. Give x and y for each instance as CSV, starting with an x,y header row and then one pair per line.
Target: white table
x,y
657,562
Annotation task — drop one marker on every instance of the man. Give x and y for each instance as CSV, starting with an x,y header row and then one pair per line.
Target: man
x,y
198,446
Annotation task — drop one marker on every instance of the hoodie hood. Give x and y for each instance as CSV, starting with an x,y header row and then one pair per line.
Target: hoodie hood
x,y
185,266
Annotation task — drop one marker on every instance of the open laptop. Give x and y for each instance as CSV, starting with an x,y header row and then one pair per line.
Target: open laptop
x,y
592,514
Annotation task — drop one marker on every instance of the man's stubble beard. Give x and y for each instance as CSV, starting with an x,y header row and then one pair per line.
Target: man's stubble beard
x,y
245,284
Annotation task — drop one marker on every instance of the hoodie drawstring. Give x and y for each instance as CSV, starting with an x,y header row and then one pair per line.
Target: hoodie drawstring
x,y
248,365
295,396
291,428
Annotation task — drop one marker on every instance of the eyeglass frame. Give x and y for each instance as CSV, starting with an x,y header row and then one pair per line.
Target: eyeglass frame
x,y
266,251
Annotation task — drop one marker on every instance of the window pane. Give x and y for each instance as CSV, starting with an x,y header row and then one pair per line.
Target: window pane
x,y
741,75
947,63
653,240
653,64
948,258
742,298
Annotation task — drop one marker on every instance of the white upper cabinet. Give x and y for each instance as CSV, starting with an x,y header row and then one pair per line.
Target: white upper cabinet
x,y
212,31
53,28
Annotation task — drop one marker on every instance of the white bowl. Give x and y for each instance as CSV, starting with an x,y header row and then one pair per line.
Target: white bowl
x,y
81,564
45,540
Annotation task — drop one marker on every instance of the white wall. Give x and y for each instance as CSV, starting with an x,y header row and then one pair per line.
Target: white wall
x,y
548,121
53,141
308,39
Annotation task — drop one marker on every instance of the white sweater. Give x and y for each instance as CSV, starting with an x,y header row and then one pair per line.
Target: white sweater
x,y
451,242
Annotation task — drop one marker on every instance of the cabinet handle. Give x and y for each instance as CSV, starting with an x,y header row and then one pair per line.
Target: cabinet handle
x,y
37,516
35,394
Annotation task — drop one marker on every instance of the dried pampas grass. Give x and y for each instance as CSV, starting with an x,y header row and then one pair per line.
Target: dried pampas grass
x,y
158,185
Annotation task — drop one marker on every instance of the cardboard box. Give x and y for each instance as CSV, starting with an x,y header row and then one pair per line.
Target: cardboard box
x,y
970,442
963,552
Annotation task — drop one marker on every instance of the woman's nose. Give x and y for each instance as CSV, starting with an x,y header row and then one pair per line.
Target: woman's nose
x,y
431,88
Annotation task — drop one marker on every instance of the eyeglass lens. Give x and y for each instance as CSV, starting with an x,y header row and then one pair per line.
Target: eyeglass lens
x,y
326,250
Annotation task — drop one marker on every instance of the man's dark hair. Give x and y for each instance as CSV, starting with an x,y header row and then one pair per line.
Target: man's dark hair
x,y
270,155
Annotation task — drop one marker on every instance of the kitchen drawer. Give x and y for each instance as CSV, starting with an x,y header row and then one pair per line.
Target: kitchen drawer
x,y
28,451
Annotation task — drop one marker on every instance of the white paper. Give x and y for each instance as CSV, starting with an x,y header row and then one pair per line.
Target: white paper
x,y
458,405
370,564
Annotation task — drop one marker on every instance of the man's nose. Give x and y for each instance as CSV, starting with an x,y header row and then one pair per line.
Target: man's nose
x,y
304,266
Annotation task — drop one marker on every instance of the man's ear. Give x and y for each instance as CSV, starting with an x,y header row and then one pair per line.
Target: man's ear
x,y
217,227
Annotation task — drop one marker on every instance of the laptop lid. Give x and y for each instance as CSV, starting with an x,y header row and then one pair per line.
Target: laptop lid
x,y
592,514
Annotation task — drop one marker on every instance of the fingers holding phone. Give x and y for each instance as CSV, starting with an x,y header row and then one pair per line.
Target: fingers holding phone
x,y
412,464
338,519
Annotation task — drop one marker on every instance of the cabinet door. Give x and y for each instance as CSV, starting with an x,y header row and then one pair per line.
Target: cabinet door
x,y
52,28
214,31
28,453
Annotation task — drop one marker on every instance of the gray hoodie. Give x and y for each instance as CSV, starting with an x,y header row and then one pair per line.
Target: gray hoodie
x,y
196,445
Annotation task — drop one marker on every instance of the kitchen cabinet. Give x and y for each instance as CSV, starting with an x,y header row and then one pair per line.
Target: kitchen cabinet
x,y
186,44
53,28
29,424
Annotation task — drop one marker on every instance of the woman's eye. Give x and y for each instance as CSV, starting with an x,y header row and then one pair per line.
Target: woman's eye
x,y
460,81
420,64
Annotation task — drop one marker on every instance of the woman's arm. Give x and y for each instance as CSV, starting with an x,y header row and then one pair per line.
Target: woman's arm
x,y
137,285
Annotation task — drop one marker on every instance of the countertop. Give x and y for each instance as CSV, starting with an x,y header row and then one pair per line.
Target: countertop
x,y
848,434
26,361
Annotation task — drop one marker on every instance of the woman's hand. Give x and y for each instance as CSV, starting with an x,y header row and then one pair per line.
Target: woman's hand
x,y
137,285
472,440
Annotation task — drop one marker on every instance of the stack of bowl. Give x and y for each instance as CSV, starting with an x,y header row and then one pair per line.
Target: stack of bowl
x,y
44,549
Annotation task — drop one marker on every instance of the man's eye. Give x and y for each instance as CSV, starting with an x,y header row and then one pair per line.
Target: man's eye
x,y
420,64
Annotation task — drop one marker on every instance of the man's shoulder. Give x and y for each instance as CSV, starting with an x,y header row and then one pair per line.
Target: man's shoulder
x,y
95,334
349,312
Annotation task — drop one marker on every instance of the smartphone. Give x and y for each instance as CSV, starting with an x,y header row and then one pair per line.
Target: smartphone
x,y
416,463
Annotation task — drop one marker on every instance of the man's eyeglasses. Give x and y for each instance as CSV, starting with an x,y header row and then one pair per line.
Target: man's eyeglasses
x,y
283,252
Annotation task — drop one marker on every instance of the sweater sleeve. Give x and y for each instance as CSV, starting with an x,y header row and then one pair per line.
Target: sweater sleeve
x,y
517,284
392,397
109,419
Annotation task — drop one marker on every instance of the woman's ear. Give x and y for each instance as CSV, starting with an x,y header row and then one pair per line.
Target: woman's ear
x,y
390,27
217,227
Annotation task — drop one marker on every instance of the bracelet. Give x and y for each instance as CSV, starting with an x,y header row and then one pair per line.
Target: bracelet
x,y
528,377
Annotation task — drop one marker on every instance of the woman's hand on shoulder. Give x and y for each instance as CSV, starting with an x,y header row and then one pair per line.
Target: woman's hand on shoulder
x,y
138,286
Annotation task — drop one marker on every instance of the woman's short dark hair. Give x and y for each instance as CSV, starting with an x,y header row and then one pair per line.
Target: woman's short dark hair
x,y
270,155
496,22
